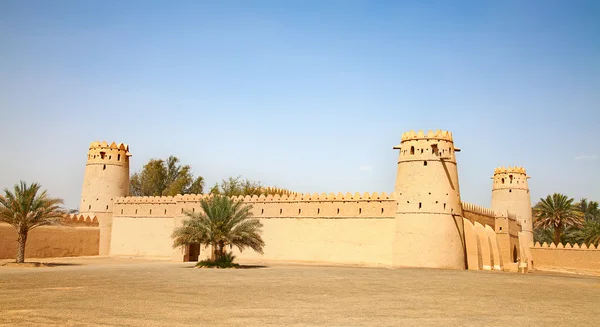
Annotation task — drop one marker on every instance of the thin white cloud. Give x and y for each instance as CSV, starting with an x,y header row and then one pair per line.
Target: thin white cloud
x,y
366,168
587,157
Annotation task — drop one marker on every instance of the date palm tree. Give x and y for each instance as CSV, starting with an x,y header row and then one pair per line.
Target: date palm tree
x,y
590,209
222,222
26,208
558,212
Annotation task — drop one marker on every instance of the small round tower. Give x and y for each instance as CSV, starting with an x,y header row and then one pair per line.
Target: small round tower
x,y
510,192
429,226
106,177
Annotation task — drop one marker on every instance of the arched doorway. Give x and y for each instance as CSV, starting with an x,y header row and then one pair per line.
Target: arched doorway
x,y
515,254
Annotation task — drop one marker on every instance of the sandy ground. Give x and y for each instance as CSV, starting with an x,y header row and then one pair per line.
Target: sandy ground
x,y
133,292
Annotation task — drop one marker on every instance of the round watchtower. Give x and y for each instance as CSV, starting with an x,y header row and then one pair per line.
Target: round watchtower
x,y
106,177
510,192
429,226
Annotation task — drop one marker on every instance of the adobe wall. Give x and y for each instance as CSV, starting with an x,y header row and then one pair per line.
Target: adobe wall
x,y
570,258
475,213
337,228
79,238
142,237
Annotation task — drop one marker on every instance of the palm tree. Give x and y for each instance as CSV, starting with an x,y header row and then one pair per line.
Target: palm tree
x,y
557,211
25,209
590,209
222,222
590,233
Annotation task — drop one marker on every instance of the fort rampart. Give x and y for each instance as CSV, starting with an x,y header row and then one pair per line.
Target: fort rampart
x,y
570,258
78,236
340,228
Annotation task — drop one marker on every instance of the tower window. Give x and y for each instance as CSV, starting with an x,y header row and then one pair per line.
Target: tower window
x,y
338,211
262,211
425,163
107,207
102,154
502,180
119,157
318,211
299,211
121,211
412,150
359,211
136,211
280,211
420,205
90,207
165,211
104,167
382,211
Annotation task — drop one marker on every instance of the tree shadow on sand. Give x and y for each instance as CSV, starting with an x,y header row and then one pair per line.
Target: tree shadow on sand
x,y
233,268
37,264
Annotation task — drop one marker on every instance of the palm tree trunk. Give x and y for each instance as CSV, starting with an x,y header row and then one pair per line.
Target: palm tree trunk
x,y
557,232
21,247
214,254
221,248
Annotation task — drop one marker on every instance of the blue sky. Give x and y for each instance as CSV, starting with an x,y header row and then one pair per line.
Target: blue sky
x,y
306,95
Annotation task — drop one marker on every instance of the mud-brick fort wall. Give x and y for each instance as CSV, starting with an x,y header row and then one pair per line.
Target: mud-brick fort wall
x,y
579,258
336,228
79,236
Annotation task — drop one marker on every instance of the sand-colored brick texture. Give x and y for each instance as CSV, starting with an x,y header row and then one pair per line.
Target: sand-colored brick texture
x,y
79,236
106,177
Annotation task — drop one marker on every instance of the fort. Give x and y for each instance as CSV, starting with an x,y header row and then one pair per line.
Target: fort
x,y
422,223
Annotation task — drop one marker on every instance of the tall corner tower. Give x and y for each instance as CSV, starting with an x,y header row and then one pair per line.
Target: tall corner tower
x,y
429,226
106,177
510,192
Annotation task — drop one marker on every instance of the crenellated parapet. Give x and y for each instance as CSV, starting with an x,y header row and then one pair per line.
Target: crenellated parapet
x,y
146,199
510,178
566,246
80,220
482,215
431,146
108,154
304,205
439,135
315,197
478,209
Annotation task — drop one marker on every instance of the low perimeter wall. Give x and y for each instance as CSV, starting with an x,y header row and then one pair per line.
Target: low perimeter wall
x,y
574,258
50,241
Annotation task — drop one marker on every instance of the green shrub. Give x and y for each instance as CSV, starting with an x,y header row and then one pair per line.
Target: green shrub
x,y
226,261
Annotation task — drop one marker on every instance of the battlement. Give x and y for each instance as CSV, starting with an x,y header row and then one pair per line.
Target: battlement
x,y
439,135
510,170
146,199
313,197
568,246
113,145
102,153
80,220
478,209
292,197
